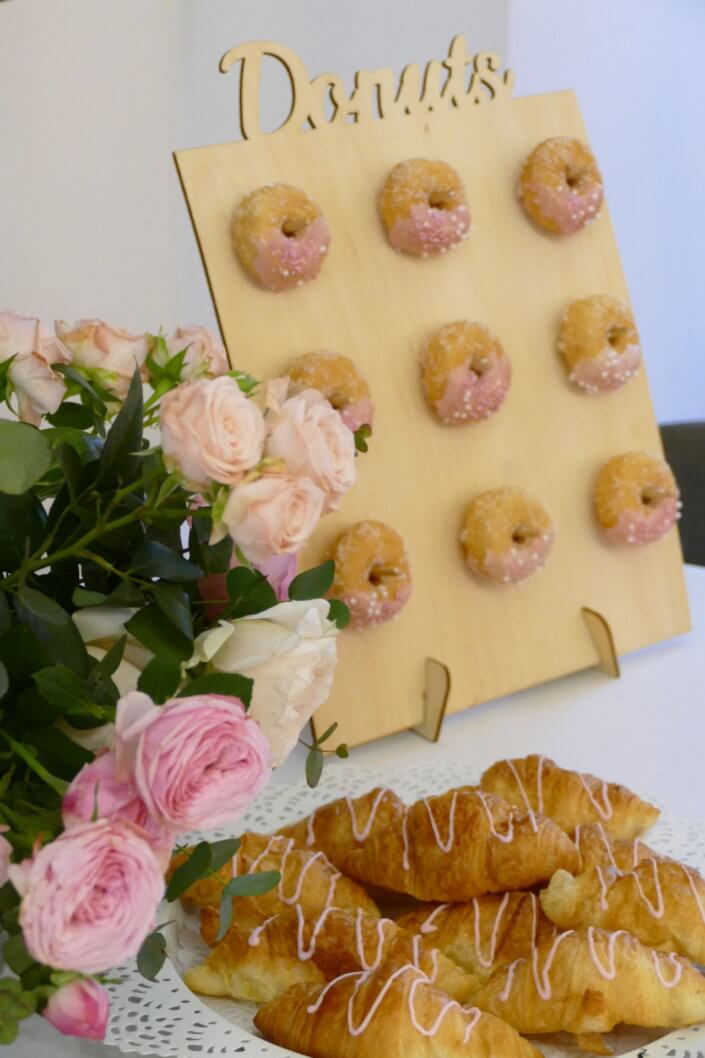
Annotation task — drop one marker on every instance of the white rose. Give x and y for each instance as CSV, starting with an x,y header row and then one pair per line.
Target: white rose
x,y
205,353
211,432
108,354
310,436
290,652
39,388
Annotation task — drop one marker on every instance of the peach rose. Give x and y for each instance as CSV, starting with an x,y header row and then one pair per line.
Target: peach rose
x,y
97,791
79,1008
89,898
105,353
211,432
5,853
39,389
274,515
205,353
309,434
197,762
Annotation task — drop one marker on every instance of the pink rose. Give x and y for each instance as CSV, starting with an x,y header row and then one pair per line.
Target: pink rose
x,y
89,898
274,515
198,762
279,570
80,1008
205,353
39,389
5,853
211,432
310,436
97,791
106,353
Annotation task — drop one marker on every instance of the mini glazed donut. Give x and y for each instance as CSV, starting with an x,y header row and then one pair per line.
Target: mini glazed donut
x,y
423,208
280,236
636,498
507,535
465,372
560,185
599,342
337,378
372,575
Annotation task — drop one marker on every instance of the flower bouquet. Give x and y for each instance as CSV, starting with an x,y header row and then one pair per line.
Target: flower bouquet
x,y
159,652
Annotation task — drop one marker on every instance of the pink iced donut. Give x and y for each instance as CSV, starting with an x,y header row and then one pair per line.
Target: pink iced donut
x,y
560,185
636,498
337,378
423,208
507,535
280,236
372,575
599,343
465,372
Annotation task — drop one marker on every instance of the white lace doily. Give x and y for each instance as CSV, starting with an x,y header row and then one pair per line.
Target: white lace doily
x,y
165,1020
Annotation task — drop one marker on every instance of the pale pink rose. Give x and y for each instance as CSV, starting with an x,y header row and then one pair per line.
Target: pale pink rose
x,y
310,436
211,432
39,389
279,570
108,354
97,791
198,762
274,515
5,853
89,898
205,353
80,1008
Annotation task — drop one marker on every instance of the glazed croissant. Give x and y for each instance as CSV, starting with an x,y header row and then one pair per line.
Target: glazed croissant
x,y
569,797
660,902
299,948
343,825
376,1015
588,982
460,845
307,878
487,932
598,849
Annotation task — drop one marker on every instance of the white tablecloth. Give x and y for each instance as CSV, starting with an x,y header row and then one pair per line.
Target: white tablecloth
x,y
646,730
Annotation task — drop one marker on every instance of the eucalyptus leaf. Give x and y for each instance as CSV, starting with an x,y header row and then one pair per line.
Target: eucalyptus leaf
x,y
252,884
151,956
192,870
30,459
313,583
231,684
223,851
326,734
226,916
314,766
42,607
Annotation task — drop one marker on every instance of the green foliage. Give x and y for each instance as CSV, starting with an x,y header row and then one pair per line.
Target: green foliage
x,y
151,956
361,436
339,613
314,766
249,592
30,459
243,885
229,683
160,678
313,583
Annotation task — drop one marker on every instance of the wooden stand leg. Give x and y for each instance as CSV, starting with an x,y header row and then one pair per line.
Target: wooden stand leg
x,y
601,635
435,700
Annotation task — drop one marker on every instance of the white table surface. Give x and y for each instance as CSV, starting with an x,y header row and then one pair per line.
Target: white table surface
x,y
646,730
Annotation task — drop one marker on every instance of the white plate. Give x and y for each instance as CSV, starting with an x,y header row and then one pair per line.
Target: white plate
x,y
164,1019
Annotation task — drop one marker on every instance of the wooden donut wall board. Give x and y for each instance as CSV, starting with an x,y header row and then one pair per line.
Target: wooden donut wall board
x,y
379,307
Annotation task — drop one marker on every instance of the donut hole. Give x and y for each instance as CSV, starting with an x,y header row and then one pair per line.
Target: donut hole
x,y
378,574
616,337
574,178
523,535
651,496
479,366
441,200
292,227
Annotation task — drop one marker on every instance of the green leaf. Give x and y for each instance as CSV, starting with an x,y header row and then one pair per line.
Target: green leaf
x,y
42,607
175,605
4,680
159,636
120,461
252,884
339,613
342,751
5,614
15,954
196,867
25,753
223,851
313,583
109,664
247,383
61,641
22,526
60,686
160,678
58,753
153,559
326,734
249,591
71,467
314,767
30,459
75,416
361,435
225,917
82,597
228,683
126,594
151,956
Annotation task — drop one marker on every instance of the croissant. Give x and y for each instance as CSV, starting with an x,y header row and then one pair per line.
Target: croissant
x,y
460,845
299,948
489,931
660,902
598,849
569,797
307,878
375,1015
587,982
343,825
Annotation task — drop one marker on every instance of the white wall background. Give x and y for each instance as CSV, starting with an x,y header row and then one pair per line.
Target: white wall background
x,y
94,95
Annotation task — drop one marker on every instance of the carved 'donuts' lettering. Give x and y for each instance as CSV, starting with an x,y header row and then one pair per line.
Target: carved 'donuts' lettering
x,y
376,93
